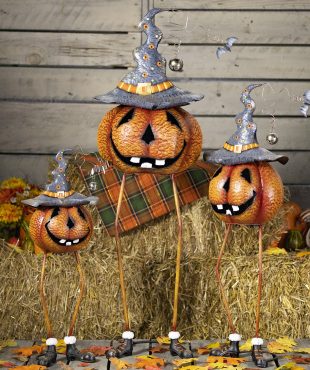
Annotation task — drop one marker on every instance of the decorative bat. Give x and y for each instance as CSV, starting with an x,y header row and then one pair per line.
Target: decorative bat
x,y
227,47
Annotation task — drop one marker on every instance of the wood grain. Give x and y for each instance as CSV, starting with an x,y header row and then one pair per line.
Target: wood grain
x,y
44,127
75,15
67,49
80,85
233,4
251,27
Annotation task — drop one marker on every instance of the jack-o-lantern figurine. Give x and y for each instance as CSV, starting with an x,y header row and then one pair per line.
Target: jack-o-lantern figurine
x,y
149,132
61,224
246,190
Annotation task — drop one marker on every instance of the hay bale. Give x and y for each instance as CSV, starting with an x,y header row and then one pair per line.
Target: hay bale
x,y
149,260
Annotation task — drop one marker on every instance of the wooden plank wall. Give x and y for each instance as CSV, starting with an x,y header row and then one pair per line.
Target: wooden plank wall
x,y
55,55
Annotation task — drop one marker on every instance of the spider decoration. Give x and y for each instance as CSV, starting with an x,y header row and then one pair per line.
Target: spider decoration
x,y
61,224
246,190
149,132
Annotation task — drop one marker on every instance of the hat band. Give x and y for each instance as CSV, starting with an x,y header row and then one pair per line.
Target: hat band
x,y
145,88
58,194
240,148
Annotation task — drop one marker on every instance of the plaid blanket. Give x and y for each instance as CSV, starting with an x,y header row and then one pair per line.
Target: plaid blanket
x,y
146,196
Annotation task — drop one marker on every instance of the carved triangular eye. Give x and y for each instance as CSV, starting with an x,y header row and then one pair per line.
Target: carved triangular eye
x,y
217,172
246,174
173,120
127,117
55,212
81,213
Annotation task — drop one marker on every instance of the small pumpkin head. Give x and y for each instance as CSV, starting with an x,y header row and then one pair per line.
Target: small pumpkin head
x,y
61,229
161,141
249,193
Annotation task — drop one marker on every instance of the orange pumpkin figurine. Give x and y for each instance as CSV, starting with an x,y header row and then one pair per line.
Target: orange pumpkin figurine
x,y
149,132
61,224
246,190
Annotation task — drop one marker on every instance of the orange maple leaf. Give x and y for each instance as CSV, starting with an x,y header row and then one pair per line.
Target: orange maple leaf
x,y
30,367
119,364
96,350
29,351
159,349
148,361
225,360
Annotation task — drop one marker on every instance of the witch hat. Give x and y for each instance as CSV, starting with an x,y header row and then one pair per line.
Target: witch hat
x,y
242,146
147,85
59,192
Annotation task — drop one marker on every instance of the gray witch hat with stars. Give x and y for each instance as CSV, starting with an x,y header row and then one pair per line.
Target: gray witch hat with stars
x,y
147,85
242,146
59,192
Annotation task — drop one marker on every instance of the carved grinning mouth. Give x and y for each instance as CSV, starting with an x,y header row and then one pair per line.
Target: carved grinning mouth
x,y
147,162
233,210
65,242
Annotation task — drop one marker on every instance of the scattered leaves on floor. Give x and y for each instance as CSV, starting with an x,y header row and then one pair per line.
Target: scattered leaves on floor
x,y
20,358
147,360
159,349
303,254
30,367
247,346
6,364
184,362
7,343
119,364
60,346
302,350
290,366
224,360
275,251
166,340
281,345
64,366
206,349
301,360
96,350
195,367
29,351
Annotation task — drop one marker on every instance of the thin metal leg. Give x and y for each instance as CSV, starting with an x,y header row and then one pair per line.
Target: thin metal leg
x,y
260,277
43,299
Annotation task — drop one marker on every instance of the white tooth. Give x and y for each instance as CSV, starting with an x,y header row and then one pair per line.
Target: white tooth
x,y
146,165
76,241
228,212
235,208
220,206
68,243
135,160
160,162
62,241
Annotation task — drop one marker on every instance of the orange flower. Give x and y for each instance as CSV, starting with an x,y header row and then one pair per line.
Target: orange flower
x,y
13,183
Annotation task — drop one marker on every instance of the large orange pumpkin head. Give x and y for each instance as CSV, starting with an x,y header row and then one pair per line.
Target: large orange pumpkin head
x,y
60,224
247,189
142,140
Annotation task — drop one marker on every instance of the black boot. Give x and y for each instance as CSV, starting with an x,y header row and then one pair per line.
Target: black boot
x,y
262,358
124,347
176,349
73,354
48,358
228,350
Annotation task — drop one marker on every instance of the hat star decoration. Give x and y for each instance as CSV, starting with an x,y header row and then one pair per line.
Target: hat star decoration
x,y
147,86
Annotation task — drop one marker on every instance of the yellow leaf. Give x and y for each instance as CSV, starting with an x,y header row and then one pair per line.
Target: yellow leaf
x,y
166,340
148,361
8,343
247,346
290,366
302,350
275,251
302,254
119,364
281,345
286,341
224,360
214,345
184,362
195,367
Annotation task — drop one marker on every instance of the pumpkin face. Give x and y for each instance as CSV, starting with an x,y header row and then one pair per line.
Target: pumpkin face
x,y
249,193
157,141
60,229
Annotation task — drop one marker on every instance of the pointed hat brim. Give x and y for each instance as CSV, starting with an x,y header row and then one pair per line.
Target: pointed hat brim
x,y
172,97
74,200
228,158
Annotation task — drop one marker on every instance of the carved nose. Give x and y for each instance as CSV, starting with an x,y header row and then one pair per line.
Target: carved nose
x,y
70,223
226,185
148,135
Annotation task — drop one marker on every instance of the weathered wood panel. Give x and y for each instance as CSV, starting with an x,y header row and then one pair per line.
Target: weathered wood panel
x,y
80,85
67,49
35,168
76,15
251,27
233,4
43,128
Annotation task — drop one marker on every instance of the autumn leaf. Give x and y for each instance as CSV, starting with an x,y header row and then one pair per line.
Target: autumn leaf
x,y
6,364
281,345
153,368
206,349
247,346
184,362
224,360
195,367
287,341
30,367
303,254
64,366
29,351
166,340
290,366
147,360
302,350
159,349
8,343
301,360
119,364
20,358
96,350
275,251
